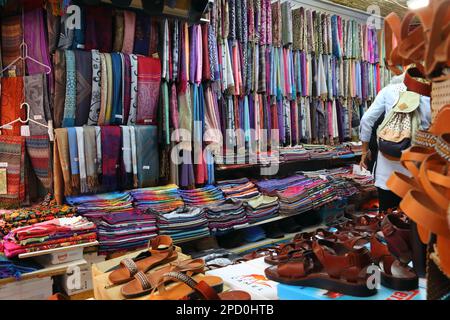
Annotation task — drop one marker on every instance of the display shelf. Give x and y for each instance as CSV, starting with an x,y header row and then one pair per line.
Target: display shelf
x,y
55,270
267,242
56,250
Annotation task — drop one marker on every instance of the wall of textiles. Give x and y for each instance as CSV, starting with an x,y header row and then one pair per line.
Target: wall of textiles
x,y
125,88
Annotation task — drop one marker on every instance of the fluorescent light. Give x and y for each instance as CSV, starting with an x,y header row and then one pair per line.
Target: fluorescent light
x,y
417,4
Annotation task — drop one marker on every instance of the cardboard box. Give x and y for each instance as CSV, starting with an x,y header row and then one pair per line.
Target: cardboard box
x,y
77,281
33,289
250,277
60,257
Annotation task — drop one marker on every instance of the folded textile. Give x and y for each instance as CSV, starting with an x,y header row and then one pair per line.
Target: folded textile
x,y
157,199
16,268
38,149
202,197
238,189
96,206
226,216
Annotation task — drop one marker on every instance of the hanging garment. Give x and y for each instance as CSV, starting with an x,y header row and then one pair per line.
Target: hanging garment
x,y
127,164
59,61
117,102
149,82
129,31
99,26
174,114
119,30
63,158
111,152
142,32
71,90
133,89
12,35
35,38
98,140
74,160
11,99
286,14
110,93
103,89
81,159
12,152
66,34
53,29
276,23
84,86
79,32
126,87
38,150
96,89
90,156
147,155
37,98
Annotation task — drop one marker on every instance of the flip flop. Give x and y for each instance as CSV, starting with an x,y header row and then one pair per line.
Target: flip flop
x,y
144,283
161,251
197,287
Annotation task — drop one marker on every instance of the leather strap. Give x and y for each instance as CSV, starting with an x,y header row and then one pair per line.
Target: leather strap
x,y
443,146
397,234
143,280
130,265
392,23
415,85
400,184
435,184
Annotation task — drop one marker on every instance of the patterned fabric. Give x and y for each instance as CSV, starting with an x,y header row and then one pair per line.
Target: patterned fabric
x,y
96,89
74,159
134,90
37,98
71,90
66,34
117,102
119,30
12,153
276,23
12,34
59,61
90,156
11,99
111,144
84,86
38,149
147,155
149,81
126,86
129,29
62,157
141,37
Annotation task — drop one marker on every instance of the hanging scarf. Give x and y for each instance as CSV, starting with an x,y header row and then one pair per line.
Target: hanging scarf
x,y
110,85
12,35
111,143
175,50
126,86
84,86
71,90
34,33
81,160
37,98
12,152
11,99
165,114
96,89
147,155
99,26
90,156
79,36
98,138
134,156
154,38
38,149
149,82
119,30
142,31
53,28
62,141
276,23
117,102
127,164
74,160
59,61
133,90
103,90
130,27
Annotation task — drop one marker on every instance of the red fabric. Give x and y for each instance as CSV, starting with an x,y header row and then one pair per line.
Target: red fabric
x,y
12,97
149,83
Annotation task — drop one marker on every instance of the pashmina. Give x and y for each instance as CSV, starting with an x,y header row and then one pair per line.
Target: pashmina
x,y
37,98
99,26
133,89
66,34
127,164
141,37
111,151
71,90
74,159
81,159
12,97
38,149
126,87
59,61
129,29
147,155
12,152
96,89
12,34
90,155
84,86
62,142
119,30
149,82
117,102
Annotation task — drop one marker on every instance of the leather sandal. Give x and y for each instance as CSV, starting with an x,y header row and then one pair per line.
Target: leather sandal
x,y
330,266
144,283
192,288
394,274
261,252
288,251
161,251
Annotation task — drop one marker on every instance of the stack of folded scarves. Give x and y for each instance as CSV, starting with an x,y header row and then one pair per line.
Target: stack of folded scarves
x,y
11,219
96,206
56,233
261,208
15,268
226,216
297,153
184,224
272,186
202,197
160,199
238,188
125,231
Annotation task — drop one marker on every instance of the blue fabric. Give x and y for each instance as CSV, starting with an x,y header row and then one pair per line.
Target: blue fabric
x,y
117,103
73,151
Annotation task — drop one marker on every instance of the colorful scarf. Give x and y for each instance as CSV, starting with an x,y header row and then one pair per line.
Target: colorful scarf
x,y
63,155
37,98
12,97
133,90
81,159
117,102
149,82
126,87
90,156
111,152
130,27
96,89
12,34
127,164
12,156
147,155
84,86
74,159
38,149
59,61
71,90
119,24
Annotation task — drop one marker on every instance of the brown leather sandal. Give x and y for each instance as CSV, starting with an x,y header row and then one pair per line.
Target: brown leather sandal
x,y
394,274
286,252
261,252
198,287
161,251
144,283
330,266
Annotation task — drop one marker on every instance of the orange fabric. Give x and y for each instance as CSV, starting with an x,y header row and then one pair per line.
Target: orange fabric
x,y
12,97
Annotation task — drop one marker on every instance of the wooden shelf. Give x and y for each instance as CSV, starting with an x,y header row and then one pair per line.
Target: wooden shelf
x,y
62,249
